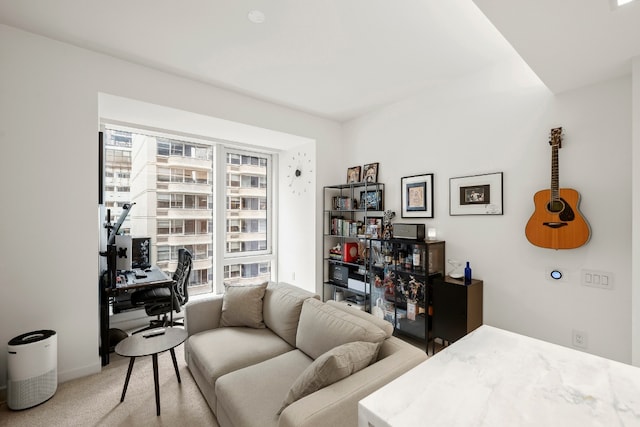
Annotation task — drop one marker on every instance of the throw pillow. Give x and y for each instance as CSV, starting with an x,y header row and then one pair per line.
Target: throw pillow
x,y
242,305
331,367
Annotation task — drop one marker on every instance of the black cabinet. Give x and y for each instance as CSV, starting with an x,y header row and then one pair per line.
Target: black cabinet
x,y
457,308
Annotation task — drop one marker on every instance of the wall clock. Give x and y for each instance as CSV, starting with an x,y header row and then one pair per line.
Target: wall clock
x,y
299,173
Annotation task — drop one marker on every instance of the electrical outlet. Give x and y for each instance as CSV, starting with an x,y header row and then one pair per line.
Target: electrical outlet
x,y
580,339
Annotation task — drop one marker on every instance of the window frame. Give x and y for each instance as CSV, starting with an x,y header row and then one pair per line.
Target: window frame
x,y
250,156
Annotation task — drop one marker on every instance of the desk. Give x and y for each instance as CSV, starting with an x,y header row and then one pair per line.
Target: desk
x,y
492,377
155,278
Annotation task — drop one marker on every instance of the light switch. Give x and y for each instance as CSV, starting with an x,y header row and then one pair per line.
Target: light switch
x,y
597,278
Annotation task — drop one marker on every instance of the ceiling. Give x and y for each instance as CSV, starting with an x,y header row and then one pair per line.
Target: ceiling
x,y
341,58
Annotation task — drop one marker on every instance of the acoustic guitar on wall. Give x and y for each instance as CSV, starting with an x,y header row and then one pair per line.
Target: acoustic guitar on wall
x,y
556,222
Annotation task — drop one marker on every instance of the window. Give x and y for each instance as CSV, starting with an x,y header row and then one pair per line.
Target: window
x,y
176,201
176,193
189,201
164,200
163,227
164,174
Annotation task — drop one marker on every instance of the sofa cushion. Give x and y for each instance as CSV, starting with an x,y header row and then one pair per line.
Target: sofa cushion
x,y
252,396
323,327
331,367
219,351
386,326
281,309
242,305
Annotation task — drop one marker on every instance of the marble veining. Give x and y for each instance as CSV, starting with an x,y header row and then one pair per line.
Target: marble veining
x,y
494,377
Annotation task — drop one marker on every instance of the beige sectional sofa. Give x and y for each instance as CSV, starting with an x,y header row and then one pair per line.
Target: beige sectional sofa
x,y
276,356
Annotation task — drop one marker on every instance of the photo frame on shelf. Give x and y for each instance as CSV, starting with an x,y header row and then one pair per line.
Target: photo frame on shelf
x,y
373,227
417,196
370,173
476,195
353,174
371,200
343,203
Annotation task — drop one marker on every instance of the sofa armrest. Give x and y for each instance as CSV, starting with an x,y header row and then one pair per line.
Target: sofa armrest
x,y
337,404
203,314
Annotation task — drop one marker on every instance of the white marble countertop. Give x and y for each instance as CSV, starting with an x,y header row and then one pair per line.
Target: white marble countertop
x,y
495,378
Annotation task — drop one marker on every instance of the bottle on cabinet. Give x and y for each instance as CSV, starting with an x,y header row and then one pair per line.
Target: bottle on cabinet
x,y
467,274
416,258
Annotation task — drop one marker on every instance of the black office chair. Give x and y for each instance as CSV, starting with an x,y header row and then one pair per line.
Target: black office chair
x,y
157,301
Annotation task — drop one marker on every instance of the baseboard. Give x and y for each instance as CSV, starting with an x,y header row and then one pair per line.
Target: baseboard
x,y
84,371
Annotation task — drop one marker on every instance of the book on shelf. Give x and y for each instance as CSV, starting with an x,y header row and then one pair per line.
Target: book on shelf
x,y
345,227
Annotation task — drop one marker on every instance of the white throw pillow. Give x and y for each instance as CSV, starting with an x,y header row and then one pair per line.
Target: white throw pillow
x,y
331,367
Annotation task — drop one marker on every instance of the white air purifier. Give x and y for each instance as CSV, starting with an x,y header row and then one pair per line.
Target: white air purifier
x,y
32,369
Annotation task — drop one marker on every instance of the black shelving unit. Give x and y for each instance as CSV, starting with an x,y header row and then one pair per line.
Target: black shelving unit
x,y
402,275
350,212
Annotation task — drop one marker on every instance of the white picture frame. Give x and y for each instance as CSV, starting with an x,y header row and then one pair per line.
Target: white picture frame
x,y
476,195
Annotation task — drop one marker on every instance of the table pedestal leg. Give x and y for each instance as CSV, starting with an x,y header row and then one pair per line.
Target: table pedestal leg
x,y
175,364
155,380
126,382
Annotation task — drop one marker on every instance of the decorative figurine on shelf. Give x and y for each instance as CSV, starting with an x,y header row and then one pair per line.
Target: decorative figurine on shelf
x,y
388,227
336,252
401,288
377,282
413,297
389,285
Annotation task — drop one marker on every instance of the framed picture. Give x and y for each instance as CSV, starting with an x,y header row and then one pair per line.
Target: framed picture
x,y
371,200
343,203
370,172
476,195
417,196
373,227
353,174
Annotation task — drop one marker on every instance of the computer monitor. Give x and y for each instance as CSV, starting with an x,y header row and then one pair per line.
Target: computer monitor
x,y
141,252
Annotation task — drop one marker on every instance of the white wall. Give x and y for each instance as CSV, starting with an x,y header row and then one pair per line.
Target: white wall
x,y
635,305
48,167
298,202
499,120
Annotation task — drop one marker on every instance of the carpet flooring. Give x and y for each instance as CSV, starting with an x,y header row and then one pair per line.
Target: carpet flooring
x,y
95,400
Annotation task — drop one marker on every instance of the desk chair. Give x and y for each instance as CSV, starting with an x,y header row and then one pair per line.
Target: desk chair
x,y
157,301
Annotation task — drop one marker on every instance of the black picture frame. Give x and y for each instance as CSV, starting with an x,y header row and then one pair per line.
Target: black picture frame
x,y
371,200
417,196
353,175
370,173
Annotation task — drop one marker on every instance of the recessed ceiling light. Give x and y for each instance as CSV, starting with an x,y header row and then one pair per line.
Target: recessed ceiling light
x,y
256,16
621,2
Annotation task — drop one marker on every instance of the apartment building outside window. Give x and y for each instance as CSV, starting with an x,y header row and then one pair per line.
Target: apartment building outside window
x,y
173,185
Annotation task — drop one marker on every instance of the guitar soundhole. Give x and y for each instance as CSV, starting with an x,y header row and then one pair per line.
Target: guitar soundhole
x,y
555,206
562,208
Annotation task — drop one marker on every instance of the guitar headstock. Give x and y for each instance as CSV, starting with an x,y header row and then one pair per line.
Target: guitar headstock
x,y
555,137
